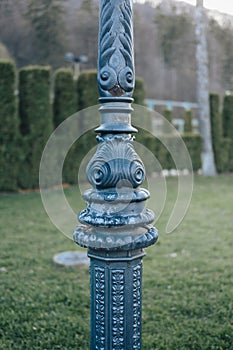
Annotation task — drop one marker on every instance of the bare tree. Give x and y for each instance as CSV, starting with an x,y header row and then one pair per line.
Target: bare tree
x,y
208,164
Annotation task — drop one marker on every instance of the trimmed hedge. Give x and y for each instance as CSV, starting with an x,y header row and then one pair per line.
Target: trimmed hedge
x,y
36,120
228,116
64,105
226,154
20,153
227,143
168,116
139,94
65,97
87,89
188,117
193,143
87,96
9,135
216,129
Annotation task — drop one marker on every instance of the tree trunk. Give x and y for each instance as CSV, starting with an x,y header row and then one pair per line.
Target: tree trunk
x,y
208,164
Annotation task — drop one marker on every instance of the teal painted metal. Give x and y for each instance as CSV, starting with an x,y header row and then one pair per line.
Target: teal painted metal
x,y
116,225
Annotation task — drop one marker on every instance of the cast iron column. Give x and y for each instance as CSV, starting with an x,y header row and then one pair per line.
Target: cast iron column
x,y
116,225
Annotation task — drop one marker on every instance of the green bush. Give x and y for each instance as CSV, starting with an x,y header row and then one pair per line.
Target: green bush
x,y
230,155
87,89
226,154
9,136
188,117
150,143
139,99
228,116
168,116
36,120
193,143
216,130
64,105
87,96
139,94
65,97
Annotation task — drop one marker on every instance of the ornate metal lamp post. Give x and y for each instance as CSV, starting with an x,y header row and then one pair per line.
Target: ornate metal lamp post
x,y
116,226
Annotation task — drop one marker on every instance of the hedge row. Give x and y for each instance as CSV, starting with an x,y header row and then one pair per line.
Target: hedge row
x,y
35,121
25,130
65,97
227,140
65,104
24,134
9,135
188,117
222,139
168,148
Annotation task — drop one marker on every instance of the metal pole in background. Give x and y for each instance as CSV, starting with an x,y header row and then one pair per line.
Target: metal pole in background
x,y
116,225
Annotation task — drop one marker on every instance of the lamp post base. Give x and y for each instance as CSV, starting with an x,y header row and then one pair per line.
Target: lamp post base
x,y
116,290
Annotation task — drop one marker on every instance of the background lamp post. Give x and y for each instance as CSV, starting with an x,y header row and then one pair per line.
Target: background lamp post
x,y
116,225
69,57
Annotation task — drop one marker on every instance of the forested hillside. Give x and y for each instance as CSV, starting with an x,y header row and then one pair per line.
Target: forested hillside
x,y
42,31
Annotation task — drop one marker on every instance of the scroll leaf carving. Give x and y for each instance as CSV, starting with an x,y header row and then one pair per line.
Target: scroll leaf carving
x,y
114,161
116,66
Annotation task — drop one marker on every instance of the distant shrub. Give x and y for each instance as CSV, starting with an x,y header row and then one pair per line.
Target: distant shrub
x,y
193,143
188,117
228,116
226,154
8,116
9,135
87,89
139,94
227,145
216,129
65,97
35,120
64,105
168,116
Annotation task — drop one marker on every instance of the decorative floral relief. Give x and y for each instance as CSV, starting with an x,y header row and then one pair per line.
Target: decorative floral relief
x,y
100,306
118,309
137,275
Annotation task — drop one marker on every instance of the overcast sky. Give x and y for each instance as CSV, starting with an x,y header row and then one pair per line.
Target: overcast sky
x,y
225,6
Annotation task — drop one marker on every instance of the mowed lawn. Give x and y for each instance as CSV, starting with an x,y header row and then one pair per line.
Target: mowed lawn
x,y
187,279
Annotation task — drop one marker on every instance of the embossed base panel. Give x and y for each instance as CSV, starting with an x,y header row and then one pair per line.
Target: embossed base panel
x,y
116,302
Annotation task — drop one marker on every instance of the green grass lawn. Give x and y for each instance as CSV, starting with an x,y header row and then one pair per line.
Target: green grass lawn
x,y
187,279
